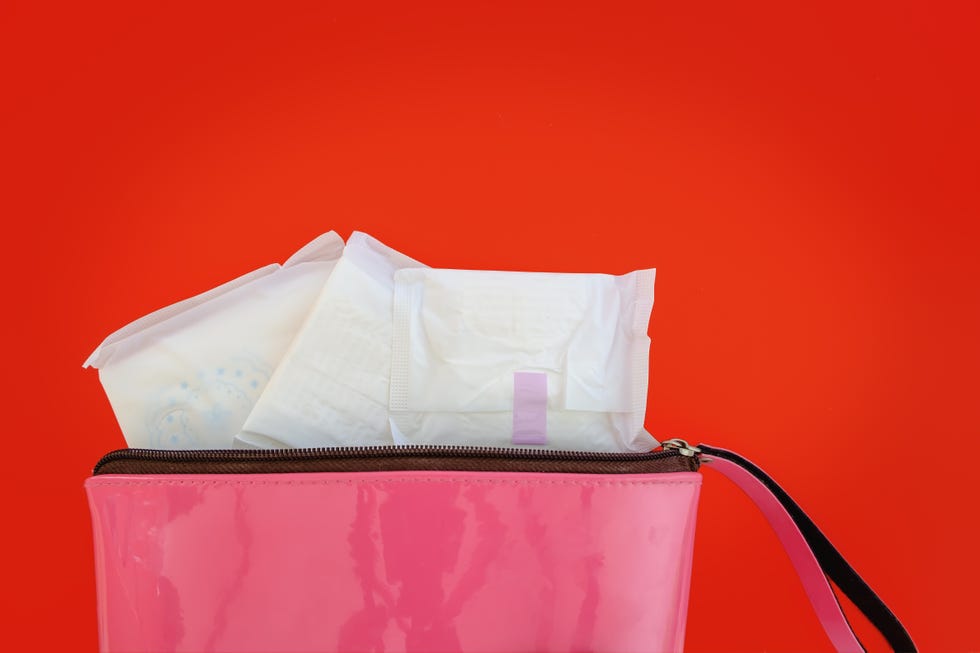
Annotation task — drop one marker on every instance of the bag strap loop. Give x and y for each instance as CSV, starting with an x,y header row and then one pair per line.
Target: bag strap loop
x,y
816,560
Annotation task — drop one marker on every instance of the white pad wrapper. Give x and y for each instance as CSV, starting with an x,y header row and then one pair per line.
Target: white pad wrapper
x,y
187,376
331,388
521,358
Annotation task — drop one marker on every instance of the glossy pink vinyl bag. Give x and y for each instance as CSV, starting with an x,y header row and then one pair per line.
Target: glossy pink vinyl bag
x,y
401,549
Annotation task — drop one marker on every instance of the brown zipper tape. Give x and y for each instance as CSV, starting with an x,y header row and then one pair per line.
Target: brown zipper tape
x,y
143,461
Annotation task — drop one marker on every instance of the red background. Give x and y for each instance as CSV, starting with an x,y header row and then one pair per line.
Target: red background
x,y
803,178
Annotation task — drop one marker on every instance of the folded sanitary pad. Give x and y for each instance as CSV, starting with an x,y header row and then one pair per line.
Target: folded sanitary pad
x,y
331,388
187,376
519,358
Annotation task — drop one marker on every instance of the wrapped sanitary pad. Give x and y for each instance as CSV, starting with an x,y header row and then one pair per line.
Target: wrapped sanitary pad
x,y
186,376
517,358
331,388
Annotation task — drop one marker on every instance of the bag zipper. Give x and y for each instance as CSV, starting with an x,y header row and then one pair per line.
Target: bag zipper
x,y
672,458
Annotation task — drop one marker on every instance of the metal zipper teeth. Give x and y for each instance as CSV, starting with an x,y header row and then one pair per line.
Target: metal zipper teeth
x,y
383,451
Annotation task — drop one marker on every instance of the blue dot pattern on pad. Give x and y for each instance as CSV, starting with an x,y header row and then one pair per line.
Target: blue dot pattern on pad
x,y
212,405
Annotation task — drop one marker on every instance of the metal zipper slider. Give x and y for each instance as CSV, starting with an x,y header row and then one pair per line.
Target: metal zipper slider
x,y
682,447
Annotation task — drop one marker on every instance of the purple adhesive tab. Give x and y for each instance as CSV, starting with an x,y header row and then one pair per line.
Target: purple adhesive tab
x,y
530,408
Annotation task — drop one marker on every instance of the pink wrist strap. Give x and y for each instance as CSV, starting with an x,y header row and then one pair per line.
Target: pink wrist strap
x,y
813,556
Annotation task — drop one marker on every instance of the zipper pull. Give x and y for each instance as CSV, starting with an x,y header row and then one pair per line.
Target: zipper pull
x,y
682,447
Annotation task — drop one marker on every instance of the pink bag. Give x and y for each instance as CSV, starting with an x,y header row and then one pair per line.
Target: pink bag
x,y
424,549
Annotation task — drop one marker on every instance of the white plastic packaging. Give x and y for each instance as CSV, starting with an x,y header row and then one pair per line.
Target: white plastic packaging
x,y
516,358
331,387
186,376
